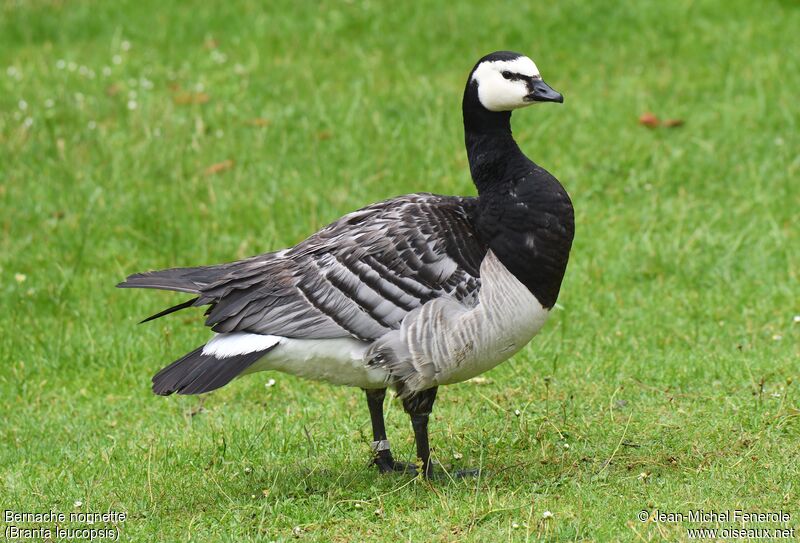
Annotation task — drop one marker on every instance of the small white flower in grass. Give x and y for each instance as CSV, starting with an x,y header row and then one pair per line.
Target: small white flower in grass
x,y
20,277
517,412
61,64
12,71
125,45
146,83
91,125
23,105
270,383
132,104
218,56
79,97
796,319
84,71
643,476
358,505
106,71
566,445
116,59
777,337
219,134
72,66
547,515
776,394
199,87
78,503
296,531
458,455
515,525
248,470
28,122
49,103
253,496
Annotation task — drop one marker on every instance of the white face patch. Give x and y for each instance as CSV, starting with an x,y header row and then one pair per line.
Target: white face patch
x,y
497,93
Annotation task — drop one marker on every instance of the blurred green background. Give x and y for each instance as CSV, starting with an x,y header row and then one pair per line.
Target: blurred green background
x,y
142,135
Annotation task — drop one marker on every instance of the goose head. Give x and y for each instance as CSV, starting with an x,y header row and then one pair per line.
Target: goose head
x,y
504,81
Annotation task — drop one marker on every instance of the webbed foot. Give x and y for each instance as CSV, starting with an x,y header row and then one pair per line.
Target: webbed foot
x,y
389,465
441,474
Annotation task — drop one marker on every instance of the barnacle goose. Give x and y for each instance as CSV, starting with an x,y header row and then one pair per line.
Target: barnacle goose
x,y
411,293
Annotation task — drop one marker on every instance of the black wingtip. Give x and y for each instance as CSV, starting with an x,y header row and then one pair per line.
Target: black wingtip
x,y
173,309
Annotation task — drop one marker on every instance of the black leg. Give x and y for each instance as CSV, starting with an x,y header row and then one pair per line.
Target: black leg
x,y
419,407
383,455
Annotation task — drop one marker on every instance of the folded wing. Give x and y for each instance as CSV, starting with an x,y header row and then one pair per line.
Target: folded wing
x,y
359,276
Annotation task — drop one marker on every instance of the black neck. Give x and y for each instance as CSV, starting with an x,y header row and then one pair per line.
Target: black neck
x,y
523,213
494,160
494,156
478,119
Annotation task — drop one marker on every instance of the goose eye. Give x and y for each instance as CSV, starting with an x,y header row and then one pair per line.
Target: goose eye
x,y
508,75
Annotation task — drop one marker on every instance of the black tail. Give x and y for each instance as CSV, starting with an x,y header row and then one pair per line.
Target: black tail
x,y
196,372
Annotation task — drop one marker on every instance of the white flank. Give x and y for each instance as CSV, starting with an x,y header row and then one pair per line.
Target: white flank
x,y
446,342
504,321
237,343
338,360
497,93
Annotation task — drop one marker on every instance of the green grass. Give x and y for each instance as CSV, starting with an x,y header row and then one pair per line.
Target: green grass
x,y
663,382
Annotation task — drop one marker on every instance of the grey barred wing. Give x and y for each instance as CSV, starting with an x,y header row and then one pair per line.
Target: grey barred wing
x,y
359,276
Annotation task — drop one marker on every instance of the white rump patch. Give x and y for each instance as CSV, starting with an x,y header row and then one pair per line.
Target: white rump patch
x,y
237,343
497,93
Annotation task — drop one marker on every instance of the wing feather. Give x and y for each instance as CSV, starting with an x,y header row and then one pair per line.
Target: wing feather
x,y
359,276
